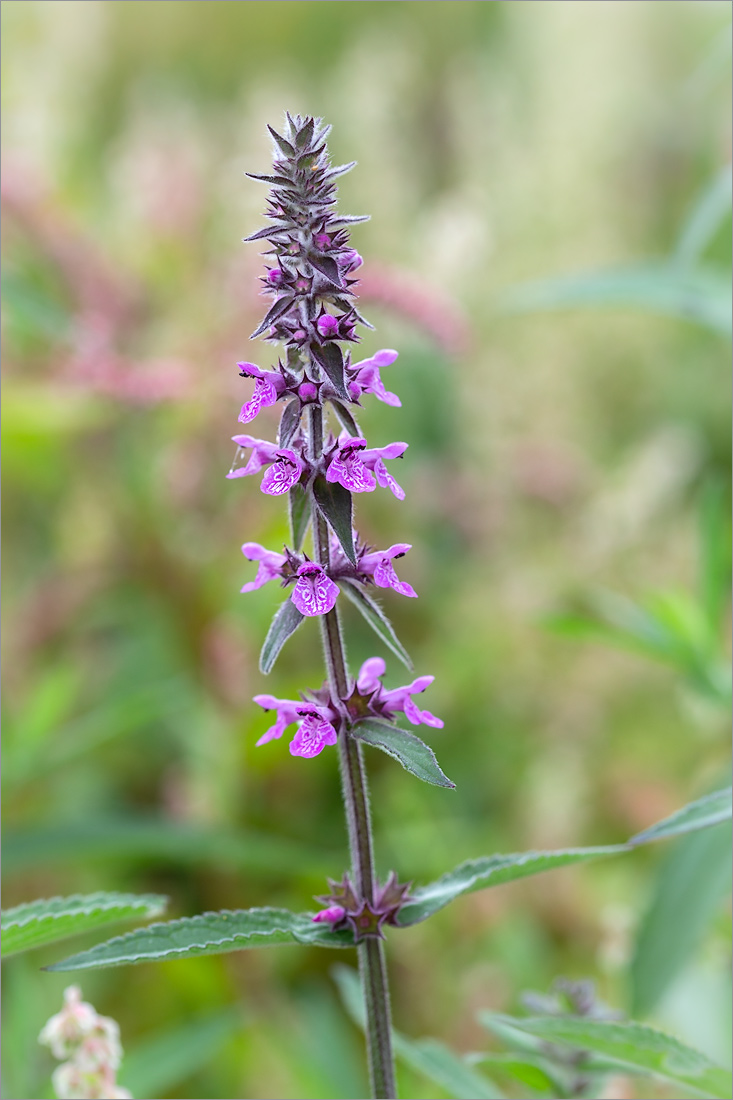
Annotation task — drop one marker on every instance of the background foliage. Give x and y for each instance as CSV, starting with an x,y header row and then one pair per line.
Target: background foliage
x,y
549,251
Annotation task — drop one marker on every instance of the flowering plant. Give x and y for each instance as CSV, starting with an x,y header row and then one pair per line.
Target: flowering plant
x,y
312,318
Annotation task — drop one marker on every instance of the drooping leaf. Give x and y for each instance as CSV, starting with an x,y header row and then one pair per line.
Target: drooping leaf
x,y
282,305
377,620
477,874
335,505
207,934
156,1065
428,1056
710,810
346,419
286,622
289,422
327,267
691,885
412,753
300,514
637,1046
331,360
50,919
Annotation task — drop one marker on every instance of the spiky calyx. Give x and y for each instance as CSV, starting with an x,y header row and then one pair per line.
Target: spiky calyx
x,y
366,919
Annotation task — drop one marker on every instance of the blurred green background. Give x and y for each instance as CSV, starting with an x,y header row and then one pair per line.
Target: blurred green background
x,y
563,433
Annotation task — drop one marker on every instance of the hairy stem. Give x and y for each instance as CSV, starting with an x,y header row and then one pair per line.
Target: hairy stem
x,y
372,967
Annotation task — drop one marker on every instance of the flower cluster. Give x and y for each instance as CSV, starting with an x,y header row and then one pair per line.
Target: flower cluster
x,y
91,1046
309,282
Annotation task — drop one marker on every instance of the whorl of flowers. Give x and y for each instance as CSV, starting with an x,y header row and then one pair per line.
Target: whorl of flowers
x,y
309,280
91,1046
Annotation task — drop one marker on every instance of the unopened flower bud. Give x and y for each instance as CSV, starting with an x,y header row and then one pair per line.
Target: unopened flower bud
x,y
274,276
322,240
327,325
307,391
333,914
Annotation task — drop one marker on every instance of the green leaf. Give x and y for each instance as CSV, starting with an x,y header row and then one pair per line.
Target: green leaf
x,y
700,294
412,753
528,1071
346,419
207,934
289,422
692,883
335,505
428,1056
300,515
637,1046
477,874
710,810
47,920
376,618
286,622
157,1065
330,359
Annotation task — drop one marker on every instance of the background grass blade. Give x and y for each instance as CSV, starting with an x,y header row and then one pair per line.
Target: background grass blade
x,y
710,810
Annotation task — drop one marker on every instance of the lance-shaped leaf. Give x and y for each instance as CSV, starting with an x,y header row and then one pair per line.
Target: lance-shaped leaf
x,y
331,360
276,181
47,920
328,267
207,934
284,146
634,1045
477,874
300,514
334,504
282,305
430,1057
286,622
376,618
270,232
710,810
289,422
412,753
346,419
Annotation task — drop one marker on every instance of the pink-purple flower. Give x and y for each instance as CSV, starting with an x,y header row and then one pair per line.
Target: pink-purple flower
x,y
269,384
333,914
397,699
378,565
355,466
270,566
364,377
315,730
314,592
285,465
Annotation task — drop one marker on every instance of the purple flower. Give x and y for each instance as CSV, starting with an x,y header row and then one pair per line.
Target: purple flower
x,y
269,385
327,325
285,466
351,465
314,733
322,241
274,276
398,699
349,260
378,565
270,567
314,592
333,914
365,377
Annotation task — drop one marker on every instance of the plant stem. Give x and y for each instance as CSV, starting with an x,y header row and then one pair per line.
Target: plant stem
x,y
372,966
